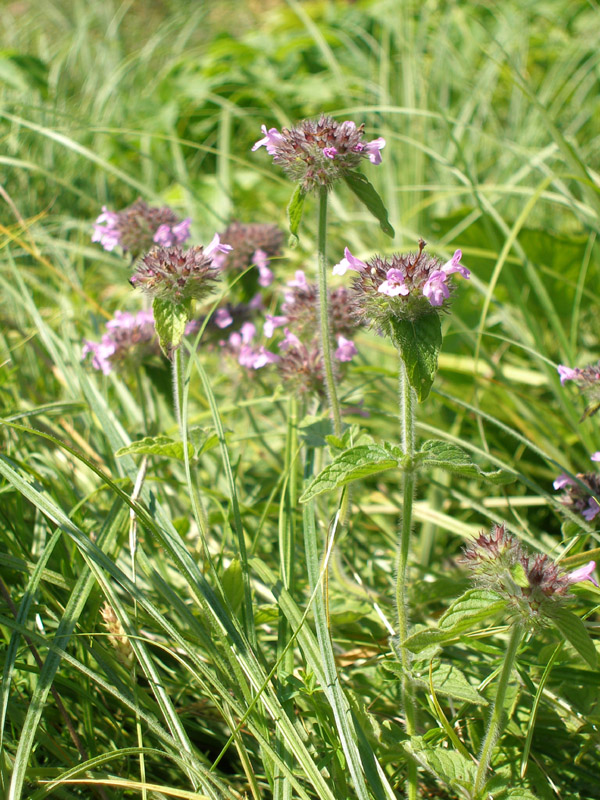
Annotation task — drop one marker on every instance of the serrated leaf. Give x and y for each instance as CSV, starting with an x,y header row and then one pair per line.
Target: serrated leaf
x,y
447,456
574,631
472,607
156,446
367,194
358,462
203,439
295,210
450,682
448,766
419,342
170,320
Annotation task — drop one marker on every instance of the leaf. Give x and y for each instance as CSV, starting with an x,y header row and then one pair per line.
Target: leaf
x,y
368,195
170,320
448,766
23,71
156,446
450,682
358,462
233,585
419,342
295,210
574,631
447,456
203,439
473,607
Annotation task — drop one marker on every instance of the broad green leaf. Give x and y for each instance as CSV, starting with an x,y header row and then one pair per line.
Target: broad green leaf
x,y
473,607
418,342
368,195
203,439
295,210
358,462
448,766
438,454
170,320
156,446
233,584
450,682
574,631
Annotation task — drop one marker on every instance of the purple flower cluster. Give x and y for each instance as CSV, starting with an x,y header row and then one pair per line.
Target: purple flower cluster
x,y
319,153
138,227
130,338
576,497
530,583
587,379
177,275
256,244
403,286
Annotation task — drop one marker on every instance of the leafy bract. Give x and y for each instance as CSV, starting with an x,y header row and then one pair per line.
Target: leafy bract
x,y
368,195
295,210
170,320
418,342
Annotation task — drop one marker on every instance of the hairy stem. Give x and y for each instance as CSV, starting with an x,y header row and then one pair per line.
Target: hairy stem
x,y
497,716
407,421
324,314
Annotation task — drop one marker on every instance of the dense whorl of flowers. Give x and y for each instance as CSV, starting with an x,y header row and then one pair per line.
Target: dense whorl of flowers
x,y
576,497
319,153
587,379
176,275
530,583
255,243
130,338
138,227
401,286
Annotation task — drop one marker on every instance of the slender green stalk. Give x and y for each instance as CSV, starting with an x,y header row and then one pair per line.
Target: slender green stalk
x,y
497,717
324,313
407,422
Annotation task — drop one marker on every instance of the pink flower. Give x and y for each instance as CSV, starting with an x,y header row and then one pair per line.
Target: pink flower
x,y
454,265
435,288
567,373
562,481
265,276
215,246
329,152
349,262
595,456
592,510
105,229
583,574
248,331
299,281
167,235
123,319
290,340
271,323
346,349
101,353
271,140
394,284
222,318
372,148
264,357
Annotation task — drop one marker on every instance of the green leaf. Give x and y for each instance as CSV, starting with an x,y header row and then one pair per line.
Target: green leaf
x,y
368,195
170,320
419,342
447,456
448,766
574,631
233,584
23,71
203,439
295,210
358,462
450,682
156,446
476,605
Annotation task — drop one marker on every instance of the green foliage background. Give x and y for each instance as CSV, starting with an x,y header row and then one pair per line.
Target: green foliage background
x,y
491,116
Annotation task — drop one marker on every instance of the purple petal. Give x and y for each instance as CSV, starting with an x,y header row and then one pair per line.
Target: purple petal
x,y
215,246
164,236
567,373
372,148
349,262
435,288
299,281
346,349
584,573
454,265
591,511
271,140
562,481
272,323
222,318
329,152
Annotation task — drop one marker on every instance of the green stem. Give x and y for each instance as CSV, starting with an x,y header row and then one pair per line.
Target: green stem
x,y
497,716
407,421
324,314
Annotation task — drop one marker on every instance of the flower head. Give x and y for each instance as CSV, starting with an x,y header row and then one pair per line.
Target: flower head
x,y
319,153
587,380
531,584
402,286
130,338
577,498
177,275
138,227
